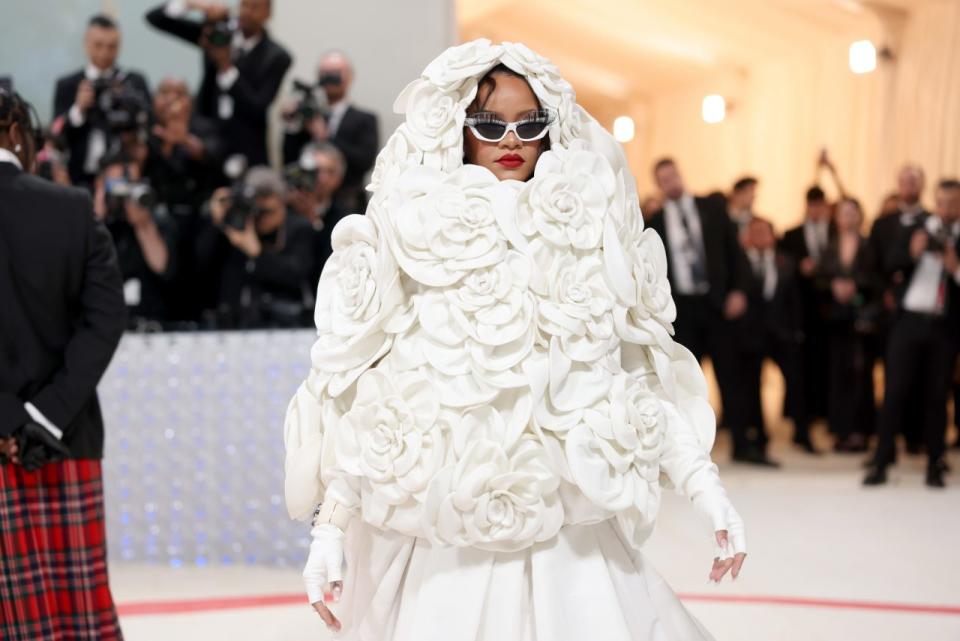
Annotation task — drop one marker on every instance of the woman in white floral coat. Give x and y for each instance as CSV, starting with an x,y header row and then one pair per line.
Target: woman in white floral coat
x,y
495,400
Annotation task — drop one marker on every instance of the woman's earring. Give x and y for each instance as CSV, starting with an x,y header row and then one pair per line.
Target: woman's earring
x,y
17,149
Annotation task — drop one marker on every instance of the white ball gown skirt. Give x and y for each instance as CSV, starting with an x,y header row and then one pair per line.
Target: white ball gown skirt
x,y
585,583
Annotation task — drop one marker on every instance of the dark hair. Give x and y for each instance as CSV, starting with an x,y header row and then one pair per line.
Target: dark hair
x,y
103,21
759,220
815,195
117,157
948,184
662,163
488,80
15,110
744,183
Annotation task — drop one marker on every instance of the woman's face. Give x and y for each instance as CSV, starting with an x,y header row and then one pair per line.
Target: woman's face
x,y
848,217
511,158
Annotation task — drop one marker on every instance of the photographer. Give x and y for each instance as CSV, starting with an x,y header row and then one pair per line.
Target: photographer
x,y
144,240
922,345
62,319
83,100
242,67
351,130
314,198
262,255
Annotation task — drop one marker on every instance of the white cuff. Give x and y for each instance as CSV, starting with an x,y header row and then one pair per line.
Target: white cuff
x,y
225,79
175,8
38,417
76,117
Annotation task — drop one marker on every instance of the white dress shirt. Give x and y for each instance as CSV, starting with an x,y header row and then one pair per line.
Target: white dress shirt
x,y
926,293
337,112
97,140
816,235
8,156
765,266
684,247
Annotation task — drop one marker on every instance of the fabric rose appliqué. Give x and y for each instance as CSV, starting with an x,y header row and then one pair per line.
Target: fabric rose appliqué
x,y
446,225
566,200
613,454
393,439
358,296
500,494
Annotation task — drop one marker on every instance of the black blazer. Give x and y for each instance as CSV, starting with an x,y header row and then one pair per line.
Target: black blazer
x,y
261,73
63,310
727,265
781,317
903,265
77,137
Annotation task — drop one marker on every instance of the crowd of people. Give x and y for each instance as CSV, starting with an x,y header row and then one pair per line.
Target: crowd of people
x,y
826,302
208,235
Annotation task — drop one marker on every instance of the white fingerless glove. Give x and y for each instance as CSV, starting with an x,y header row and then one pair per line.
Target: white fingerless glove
x,y
325,561
695,475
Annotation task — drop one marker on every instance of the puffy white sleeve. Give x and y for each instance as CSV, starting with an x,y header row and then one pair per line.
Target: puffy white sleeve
x,y
359,301
644,324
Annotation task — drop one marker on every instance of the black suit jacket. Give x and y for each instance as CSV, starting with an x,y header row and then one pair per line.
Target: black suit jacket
x,y
63,310
781,317
77,138
903,265
261,73
727,266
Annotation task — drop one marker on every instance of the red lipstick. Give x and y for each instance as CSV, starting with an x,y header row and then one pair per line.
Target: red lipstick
x,y
510,161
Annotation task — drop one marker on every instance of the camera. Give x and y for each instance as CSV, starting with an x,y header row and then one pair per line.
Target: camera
x,y
120,107
120,191
308,107
242,208
220,33
299,177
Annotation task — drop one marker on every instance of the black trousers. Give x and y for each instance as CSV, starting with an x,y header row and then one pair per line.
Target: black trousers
x,y
701,328
852,406
920,354
788,356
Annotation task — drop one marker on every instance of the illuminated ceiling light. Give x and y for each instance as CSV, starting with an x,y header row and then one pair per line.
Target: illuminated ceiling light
x,y
623,129
714,109
863,57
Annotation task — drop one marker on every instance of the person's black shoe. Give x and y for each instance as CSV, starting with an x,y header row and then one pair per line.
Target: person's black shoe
x,y
914,449
754,457
935,474
877,475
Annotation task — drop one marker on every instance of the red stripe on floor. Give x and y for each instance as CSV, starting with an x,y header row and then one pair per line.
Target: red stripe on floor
x,y
189,606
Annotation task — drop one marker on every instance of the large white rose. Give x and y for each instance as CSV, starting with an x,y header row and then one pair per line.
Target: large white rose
x,y
358,295
613,454
578,306
435,117
469,60
446,223
394,438
566,200
543,75
396,156
500,494
647,314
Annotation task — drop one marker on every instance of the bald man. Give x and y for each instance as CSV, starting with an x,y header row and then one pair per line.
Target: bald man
x,y
241,77
351,130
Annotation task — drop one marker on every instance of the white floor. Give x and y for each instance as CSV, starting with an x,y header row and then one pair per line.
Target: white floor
x,y
813,533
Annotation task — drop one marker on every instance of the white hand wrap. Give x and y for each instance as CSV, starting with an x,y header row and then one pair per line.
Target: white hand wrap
x,y
325,561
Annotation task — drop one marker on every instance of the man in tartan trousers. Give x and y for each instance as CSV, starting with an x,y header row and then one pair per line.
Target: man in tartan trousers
x,y
61,317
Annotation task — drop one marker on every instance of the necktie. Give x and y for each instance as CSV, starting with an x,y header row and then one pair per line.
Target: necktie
x,y
694,250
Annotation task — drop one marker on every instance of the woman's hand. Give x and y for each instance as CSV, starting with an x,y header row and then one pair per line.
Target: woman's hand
x,y
8,450
724,562
323,574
